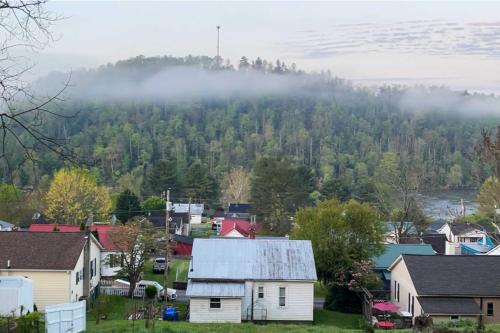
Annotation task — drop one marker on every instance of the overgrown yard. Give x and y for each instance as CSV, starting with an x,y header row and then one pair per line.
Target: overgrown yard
x,y
325,321
178,271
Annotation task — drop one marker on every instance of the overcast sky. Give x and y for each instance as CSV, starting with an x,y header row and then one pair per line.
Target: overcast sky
x,y
452,43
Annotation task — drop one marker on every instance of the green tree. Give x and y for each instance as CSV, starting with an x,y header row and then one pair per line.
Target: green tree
x,y
153,203
127,206
489,196
199,184
74,197
344,236
455,176
335,188
163,176
277,191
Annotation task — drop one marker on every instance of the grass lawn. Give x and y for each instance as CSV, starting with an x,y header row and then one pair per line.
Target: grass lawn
x,y
178,267
325,321
203,230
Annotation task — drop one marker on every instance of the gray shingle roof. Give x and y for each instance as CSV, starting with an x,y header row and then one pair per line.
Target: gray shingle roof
x,y
454,275
252,259
449,306
211,289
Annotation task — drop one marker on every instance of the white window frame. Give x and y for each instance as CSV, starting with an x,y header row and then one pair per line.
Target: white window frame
x,y
210,303
259,292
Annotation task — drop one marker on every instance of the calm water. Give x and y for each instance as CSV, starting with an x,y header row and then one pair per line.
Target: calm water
x,y
438,204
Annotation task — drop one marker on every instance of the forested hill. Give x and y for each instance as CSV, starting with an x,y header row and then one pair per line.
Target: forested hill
x,y
136,112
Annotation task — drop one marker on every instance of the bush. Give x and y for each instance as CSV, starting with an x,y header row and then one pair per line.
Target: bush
x,y
151,292
343,299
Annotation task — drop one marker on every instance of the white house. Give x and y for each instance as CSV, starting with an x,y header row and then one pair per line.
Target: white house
x,y
195,211
447,287
231,280
64,266
111,257
6,226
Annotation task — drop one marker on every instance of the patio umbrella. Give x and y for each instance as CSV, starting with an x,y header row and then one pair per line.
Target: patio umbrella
x,y
386,307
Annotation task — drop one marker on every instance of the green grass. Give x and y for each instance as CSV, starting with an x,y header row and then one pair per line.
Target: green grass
x,y
203,230
179,265
325,321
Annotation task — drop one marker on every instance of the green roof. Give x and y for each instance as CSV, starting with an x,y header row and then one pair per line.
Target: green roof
x,y
393,251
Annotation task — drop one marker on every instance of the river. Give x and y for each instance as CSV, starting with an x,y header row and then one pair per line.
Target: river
x,y
437,204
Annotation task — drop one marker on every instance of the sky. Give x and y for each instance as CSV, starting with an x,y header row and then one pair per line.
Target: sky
x,y
456,44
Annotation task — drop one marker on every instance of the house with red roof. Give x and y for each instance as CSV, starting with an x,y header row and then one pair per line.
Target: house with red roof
x,y
237,228
111,257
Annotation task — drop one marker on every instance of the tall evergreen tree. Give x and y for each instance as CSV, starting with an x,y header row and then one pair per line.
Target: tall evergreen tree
x,y
163,176
277,190
127,206
199,184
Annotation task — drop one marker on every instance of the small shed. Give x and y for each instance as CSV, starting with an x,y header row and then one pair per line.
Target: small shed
x,y
16,293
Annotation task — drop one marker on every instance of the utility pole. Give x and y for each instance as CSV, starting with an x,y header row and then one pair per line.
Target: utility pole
x,y
167,239
218,53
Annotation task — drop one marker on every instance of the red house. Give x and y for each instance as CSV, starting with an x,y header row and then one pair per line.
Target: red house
x,y
237,228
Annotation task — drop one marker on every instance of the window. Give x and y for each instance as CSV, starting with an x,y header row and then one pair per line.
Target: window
x,y
261,292
215,303
282,296
454,317
77,277
409,302
413,305
398,292
489,310
395,290
92,268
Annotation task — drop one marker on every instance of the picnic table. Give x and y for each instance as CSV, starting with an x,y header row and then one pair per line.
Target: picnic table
x,y
385,324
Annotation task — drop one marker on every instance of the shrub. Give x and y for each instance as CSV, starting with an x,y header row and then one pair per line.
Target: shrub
x,y
151,292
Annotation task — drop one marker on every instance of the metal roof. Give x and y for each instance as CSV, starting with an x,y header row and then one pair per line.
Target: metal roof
x,y
393,251
252,259
196,209
221,289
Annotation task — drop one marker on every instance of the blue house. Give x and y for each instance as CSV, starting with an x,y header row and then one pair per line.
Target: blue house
x,y
392,252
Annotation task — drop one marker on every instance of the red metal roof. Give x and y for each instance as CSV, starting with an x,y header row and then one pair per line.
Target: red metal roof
x,y
103,232
242,226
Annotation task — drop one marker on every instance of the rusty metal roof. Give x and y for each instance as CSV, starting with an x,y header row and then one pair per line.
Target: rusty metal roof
x,y
218,289
252,259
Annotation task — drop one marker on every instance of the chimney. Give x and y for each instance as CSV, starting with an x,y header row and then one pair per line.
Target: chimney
x,y
252,232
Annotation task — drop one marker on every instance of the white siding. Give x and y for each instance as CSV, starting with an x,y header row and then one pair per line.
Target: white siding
x,y
106,270
400,278
95,254
299,300
200,312
233,233
76,290
195,219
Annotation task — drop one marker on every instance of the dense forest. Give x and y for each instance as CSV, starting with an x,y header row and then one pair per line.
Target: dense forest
x,y
123,118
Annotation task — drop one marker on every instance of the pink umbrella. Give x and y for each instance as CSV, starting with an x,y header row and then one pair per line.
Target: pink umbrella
x,y
386,306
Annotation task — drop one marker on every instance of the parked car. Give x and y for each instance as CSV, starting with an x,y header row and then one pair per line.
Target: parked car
x,y
159,265
171,293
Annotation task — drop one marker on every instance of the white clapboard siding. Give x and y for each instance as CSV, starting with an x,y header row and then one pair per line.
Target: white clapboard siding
x,y
200,312
299,301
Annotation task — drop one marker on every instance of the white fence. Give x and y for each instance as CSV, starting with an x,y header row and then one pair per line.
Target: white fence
x,y
122,291
65,318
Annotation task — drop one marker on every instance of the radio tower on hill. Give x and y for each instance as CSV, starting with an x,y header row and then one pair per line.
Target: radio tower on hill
x,y
217,59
